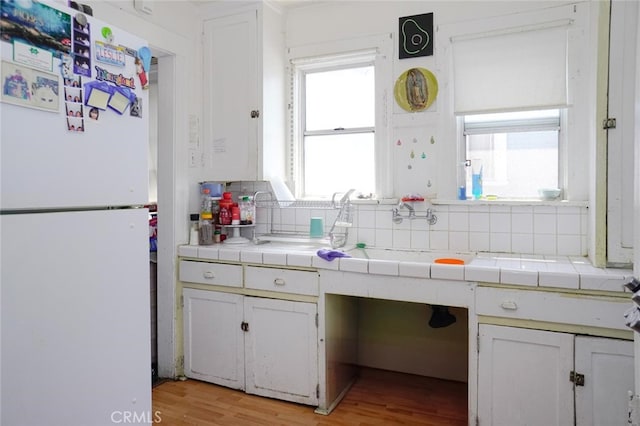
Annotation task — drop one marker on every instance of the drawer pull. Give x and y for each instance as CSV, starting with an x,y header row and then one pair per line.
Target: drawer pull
x,y
279,281
509,305
208,274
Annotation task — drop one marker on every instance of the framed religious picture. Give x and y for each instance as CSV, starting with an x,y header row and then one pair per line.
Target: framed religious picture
x,y
416,89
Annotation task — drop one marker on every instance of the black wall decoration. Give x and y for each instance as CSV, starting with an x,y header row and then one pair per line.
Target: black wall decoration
x,y
416,35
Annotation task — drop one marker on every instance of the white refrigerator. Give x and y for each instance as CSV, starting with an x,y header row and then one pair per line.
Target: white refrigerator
x,y
74,252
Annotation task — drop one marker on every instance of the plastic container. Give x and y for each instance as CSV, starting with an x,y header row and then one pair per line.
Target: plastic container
x,y
194,227
215,188
205,201
205,233
247,210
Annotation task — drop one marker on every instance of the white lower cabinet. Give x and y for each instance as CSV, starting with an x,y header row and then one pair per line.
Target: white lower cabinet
x,y
213,339
281,349
264,346
607,365
535,377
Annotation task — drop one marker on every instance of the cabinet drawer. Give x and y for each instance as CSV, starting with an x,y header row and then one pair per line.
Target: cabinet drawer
x,y
211,273
565,308
282,280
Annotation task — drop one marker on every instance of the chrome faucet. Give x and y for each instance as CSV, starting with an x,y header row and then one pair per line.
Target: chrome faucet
x,y
397,216
412,211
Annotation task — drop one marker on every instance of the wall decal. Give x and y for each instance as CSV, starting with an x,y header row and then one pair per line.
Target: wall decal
x,y
416,36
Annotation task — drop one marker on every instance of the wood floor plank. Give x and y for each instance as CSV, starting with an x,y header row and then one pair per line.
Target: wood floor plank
x,y
377,398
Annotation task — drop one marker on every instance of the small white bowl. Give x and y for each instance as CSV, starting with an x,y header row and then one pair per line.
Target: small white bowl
x,y
549,193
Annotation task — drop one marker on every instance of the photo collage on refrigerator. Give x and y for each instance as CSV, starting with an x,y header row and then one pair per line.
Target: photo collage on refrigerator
x,y
57,52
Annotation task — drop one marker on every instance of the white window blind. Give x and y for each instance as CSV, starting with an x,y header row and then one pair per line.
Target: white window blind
x,y
512,69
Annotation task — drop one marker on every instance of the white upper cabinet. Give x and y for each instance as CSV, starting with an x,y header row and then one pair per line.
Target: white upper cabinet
x,y
244,108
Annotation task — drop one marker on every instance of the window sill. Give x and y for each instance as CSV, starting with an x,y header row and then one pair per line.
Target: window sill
x,y
506,202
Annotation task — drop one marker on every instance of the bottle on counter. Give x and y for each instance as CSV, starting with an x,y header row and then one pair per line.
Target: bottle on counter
x,y
225,214
194,229
235,215
225,209
247,210
205,201
206,229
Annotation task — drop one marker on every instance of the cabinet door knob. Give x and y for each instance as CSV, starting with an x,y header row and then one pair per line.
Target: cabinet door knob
x,y
509,305
208,274
279,281
255,113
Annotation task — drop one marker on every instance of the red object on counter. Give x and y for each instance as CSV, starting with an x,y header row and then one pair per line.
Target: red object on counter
x,y
224,215
413,198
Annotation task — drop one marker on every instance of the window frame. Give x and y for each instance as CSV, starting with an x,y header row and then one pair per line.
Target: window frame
x,y
302,73
376,50
513,126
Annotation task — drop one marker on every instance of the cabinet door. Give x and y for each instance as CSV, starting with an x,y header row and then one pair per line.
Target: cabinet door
x,y
282,349
607,365
231,93
523,377
213,339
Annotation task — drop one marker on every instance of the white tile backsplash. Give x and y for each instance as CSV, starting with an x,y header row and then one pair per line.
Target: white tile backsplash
x,y
569,224
402,239
479,241
439,240
479,221
483,227
500,242
366,219
459,221
419,240
500,222
522,243
458,241
522,223
545,244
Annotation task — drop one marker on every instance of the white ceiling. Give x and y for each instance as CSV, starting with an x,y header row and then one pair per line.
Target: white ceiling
x,y
284,4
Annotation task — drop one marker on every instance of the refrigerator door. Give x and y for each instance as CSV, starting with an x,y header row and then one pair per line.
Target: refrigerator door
x,y
75,324
43,166
45,162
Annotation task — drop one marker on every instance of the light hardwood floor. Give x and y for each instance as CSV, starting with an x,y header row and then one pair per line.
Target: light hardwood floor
x,y
377,398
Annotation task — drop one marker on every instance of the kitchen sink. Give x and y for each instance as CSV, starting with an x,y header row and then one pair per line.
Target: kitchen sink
x,y
403,255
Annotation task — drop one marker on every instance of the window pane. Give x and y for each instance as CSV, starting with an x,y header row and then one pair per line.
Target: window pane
x,y
340,98
516,164
336,163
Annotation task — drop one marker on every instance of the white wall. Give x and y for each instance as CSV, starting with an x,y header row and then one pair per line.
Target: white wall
x,y
435,176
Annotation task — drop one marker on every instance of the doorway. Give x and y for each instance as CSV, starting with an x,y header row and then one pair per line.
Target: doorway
x,y
162,180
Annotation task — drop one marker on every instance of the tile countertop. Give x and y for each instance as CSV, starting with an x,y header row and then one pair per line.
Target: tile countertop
x,y
574,273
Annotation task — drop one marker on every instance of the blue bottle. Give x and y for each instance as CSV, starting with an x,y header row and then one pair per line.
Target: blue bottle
x,y
476,179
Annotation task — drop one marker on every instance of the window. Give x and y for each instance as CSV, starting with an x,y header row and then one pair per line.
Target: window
x,y
339,118
338,134
514,154
511,92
